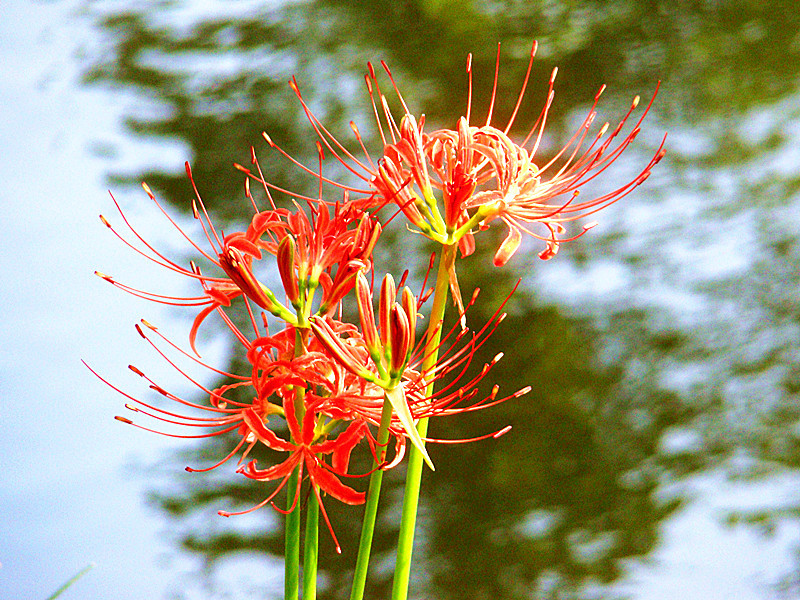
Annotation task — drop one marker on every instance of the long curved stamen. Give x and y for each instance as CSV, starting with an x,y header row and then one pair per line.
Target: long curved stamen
x,y
211,393
160,259
469,87
230,455
369,79
320,129
493,97
524,84
160,298
541,120
220,245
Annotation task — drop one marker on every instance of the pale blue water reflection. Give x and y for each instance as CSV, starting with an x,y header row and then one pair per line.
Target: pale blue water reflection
x,y
666,343
69,489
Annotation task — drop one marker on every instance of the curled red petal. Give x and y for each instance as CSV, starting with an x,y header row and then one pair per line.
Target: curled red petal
x,y
508,247
328,482
256,425
198,320
345,443
273,472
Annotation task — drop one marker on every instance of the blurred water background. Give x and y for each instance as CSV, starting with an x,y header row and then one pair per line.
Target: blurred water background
x,y
657,456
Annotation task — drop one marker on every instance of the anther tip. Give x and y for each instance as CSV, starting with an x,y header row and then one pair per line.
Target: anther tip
x,y
124,420
502,432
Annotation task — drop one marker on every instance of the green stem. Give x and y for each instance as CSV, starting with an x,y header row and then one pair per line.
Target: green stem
x,y
408,520
292,541
292,545
311,549
371,508
72,580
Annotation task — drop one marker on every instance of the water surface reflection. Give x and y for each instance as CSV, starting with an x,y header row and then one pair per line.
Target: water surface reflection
x,y
662,346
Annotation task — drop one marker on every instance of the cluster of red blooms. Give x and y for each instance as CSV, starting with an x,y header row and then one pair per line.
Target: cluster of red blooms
x,y
328,379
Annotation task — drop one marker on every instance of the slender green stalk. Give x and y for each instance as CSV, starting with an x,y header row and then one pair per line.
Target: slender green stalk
x,y
72,580
408,520
291,584
292,541
311,549
371,508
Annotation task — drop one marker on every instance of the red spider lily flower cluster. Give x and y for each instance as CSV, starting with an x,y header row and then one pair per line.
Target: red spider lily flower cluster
x,y
324,378
317,386
452,183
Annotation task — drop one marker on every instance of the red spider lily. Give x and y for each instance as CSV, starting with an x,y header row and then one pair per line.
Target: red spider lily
x,y
390,350
224,414
233,254
363,381
275,374
480,174
306,452
322,250
326,250
315,245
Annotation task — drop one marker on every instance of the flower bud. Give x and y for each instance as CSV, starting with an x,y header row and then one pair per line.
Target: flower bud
x,y
399,338
342,284
236,267
409,303
285,258
388,293
367,234
366,314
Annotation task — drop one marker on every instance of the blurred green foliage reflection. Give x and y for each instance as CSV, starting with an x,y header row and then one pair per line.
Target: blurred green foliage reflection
x,y
673,346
